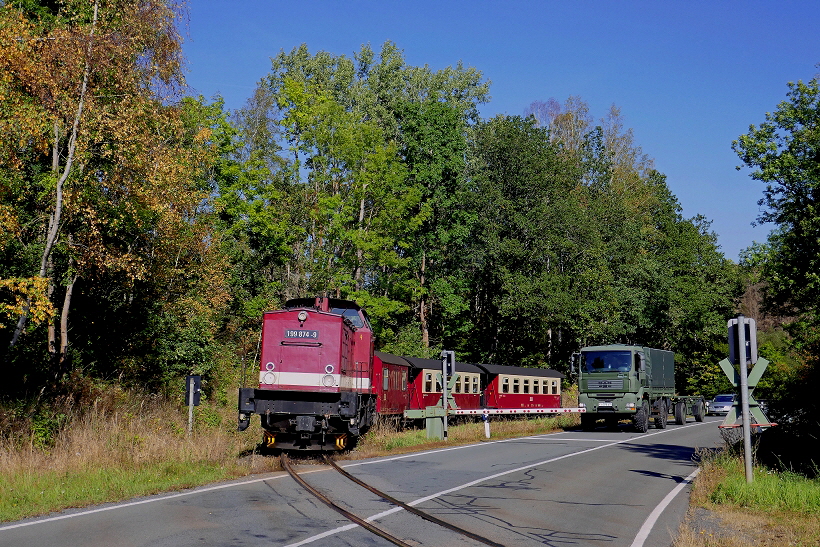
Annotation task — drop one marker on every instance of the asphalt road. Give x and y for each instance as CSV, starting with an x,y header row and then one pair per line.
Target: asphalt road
x,y
567,489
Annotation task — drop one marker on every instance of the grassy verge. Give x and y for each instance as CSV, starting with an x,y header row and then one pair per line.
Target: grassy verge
x,y
775,509
113,452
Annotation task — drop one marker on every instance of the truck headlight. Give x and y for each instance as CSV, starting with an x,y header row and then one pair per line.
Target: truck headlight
x,y
630,406
582,405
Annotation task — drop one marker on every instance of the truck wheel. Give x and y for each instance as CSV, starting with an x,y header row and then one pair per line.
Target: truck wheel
x,y
698,410
663,415
641,418
680,413
587,422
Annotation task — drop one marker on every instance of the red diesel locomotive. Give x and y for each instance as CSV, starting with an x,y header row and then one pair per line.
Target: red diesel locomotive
x,y
321,385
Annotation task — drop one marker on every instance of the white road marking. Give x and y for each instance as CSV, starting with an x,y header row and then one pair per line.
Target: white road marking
x,y
643,533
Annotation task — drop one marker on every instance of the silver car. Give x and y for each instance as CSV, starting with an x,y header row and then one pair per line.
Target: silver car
x,y
721,404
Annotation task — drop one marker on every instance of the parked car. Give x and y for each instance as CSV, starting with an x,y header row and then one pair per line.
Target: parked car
x,y
721,404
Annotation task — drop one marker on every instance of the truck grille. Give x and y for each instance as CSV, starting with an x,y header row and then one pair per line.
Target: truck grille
x,y
605,384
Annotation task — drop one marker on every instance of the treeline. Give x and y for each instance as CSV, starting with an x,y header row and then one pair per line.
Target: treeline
x,y
143,233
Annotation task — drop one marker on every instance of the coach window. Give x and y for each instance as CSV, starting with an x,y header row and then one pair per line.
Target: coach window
x,y
516,387
555,387
475,384
546,386
526,385
428,383
457,386
438,384
505,385
536,384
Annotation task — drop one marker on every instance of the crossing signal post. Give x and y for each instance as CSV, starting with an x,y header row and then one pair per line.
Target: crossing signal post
x,y
448,369
743,353
193,391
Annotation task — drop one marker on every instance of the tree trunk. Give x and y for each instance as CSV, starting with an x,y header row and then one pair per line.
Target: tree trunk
x,y
63,357
54,221
425,331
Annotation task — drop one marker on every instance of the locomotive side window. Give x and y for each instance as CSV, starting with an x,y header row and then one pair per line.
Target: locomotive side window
x,y
387,380
516,387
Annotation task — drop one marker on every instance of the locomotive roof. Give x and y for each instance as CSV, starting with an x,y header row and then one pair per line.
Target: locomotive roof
x,y
311,303
521,371
419,363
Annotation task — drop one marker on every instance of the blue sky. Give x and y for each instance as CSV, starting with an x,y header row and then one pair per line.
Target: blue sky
x,y
689,77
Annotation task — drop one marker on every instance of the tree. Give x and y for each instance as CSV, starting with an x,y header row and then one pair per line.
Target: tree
x,y
342,140
784,153
93,131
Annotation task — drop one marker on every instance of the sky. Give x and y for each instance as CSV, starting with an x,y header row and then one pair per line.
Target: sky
x,y
689,77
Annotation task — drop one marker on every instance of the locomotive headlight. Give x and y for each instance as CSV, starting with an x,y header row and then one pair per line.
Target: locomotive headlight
x,y
302,316
270,366
328,380
270,378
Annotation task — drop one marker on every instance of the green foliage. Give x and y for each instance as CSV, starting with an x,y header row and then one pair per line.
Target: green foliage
x,y
45,426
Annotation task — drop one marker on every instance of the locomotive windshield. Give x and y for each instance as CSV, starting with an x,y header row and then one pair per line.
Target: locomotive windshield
x,y
352,315
607,361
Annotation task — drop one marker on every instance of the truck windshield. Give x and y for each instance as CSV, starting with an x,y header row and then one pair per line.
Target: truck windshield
x,y
607,361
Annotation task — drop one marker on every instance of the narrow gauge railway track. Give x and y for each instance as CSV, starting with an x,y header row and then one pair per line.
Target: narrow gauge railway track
x,y
369,526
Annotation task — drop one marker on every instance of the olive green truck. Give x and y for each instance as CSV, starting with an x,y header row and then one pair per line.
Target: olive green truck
x,y
618,382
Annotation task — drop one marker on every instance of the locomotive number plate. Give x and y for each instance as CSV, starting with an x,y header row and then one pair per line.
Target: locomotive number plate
x,y
307,334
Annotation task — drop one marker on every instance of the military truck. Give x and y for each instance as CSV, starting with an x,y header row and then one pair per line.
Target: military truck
x,y
617,382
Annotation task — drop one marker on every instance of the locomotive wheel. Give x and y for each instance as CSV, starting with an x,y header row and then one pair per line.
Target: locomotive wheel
x,y
663,415
680,413
641,418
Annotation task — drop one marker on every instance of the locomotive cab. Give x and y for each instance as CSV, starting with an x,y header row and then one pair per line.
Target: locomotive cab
x,y
315,376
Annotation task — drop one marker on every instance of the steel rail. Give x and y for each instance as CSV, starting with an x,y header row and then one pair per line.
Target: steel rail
x,y
324,499
410,508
